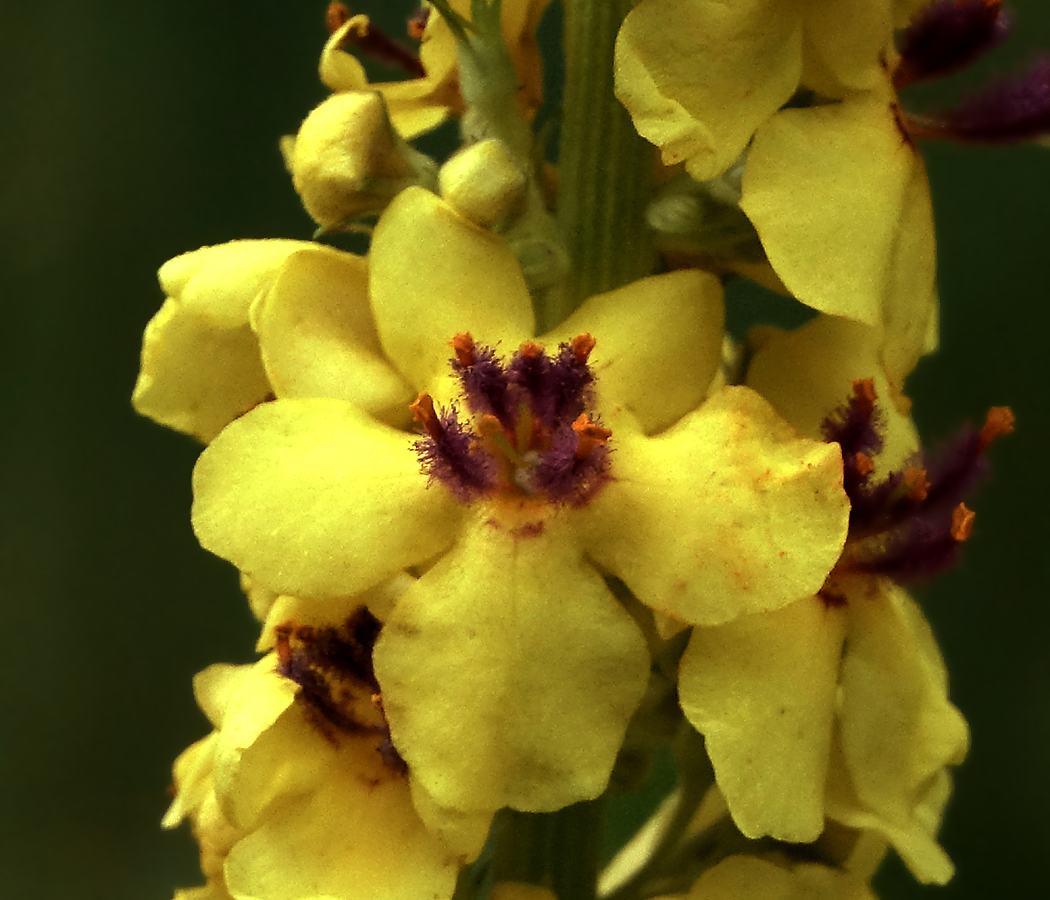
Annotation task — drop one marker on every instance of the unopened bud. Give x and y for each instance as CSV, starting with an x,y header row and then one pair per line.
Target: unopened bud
x,y
483,183
348,161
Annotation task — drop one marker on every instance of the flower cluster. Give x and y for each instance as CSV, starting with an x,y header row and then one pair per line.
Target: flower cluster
x,y
507,542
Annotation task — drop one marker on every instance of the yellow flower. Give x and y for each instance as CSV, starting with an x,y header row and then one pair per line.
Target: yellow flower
x,y
833,185
751,878
202,366
421,104
705,508
285,810
835,706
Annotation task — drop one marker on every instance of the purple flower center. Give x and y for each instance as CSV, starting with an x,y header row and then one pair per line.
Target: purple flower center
x,y
530,436
909,526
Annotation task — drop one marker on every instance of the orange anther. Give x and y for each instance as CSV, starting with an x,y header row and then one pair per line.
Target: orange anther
x,y
463,346
864,391
863,464
589,435
530,350
917,484
423,412
962,522
489,426
417,24
336,16
281,634
999,421
582,345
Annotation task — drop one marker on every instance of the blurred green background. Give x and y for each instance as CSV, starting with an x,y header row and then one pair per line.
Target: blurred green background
x,y
132,132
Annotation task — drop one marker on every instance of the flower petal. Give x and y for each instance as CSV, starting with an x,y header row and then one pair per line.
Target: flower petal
x,y
200,359
836,195
750,878
807,373
727,513
847,40
761,690
318,337
323,818
699,77
353,840
898,727
497,661
659,344
434,275
316,499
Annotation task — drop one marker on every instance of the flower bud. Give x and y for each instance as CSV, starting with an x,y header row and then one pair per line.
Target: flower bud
x,y
347,160
483,183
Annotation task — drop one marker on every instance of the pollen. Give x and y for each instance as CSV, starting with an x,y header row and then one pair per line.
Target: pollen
x,y
962,522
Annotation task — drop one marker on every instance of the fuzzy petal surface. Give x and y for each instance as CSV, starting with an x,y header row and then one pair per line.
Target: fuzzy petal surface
x,y
509,672
698,77
315,498
836,195
761,689
318,338
200,358
659,344
434,275
728,512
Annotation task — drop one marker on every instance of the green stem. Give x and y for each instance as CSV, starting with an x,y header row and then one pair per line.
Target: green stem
x,y
604,168
559,851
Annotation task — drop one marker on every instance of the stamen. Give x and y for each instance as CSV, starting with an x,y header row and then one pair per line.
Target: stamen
x,y
463,346
336,16
582,345
962,523
863,464
854,426
417,24
424,413
1007,112
530,350
918,485
333,669
999,421
948,36
589,435
373,41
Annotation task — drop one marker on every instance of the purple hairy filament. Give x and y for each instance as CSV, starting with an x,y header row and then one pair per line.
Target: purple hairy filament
x,y
909,525
949,35
530,439
337,684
